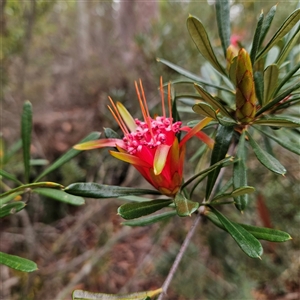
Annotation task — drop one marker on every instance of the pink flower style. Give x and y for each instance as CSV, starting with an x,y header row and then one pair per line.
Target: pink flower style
x,y
151,145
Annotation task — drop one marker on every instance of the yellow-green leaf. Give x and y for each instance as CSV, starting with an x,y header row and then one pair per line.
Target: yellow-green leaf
x,y
85,295
201,40
271,74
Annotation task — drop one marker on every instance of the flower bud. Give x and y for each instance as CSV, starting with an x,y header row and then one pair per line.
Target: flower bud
x,y
245,90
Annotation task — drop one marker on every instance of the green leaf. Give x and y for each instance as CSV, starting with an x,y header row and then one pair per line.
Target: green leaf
x,y
144,221
271,74
202,174
278,98
280,121
245,240
24,187
133,198
110,134
10,177
226,121
241,191
8,198
84,295
11,208
11,151
259,86
193,77
240,173
269,161
205,109
185,207
39,162
267,234
266,24
212,101
293,147
60,196
287,77
68,155
26,127
201,40
138,209
175,113
17,263
222,143
288,47
96,190
286,26
225,187
261,233
223,21
256,38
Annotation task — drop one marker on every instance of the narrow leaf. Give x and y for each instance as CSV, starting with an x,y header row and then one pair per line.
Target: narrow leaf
x,y
201,40
11,151
269,161
222,143
266,24
286,26
240,174
84,295
144,221
26,127
212,101
25,187
256,38
110,134
8,198
185,207
68,155
17,263
259,86
287,77
202,174
11,208
223,21
193,77
60,196
205,109
261,233
270,82
245,240
280,121
267,234
97,190
288,47
10,177
289,145
241,191
138,209
278,98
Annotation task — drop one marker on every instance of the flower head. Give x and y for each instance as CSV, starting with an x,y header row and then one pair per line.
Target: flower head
x,y
151,145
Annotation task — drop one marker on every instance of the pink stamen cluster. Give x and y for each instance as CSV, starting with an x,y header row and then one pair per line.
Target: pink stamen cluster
x,y
162,131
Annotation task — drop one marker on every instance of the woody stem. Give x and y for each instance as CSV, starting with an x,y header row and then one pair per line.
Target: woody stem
x,y
187,240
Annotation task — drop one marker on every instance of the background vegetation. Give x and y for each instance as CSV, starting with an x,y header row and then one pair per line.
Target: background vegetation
x,y
66,58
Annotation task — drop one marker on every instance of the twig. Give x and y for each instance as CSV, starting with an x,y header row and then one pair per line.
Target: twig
x,y
187,241
179,256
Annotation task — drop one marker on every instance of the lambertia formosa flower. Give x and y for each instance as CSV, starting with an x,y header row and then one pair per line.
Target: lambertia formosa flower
x,y
151,145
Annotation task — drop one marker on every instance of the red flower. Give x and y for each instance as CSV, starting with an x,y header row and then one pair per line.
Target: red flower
x,y
151,145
